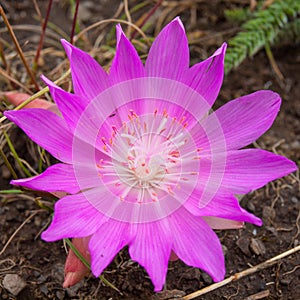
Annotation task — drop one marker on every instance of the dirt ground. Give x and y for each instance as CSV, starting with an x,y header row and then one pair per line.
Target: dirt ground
x,y
40,265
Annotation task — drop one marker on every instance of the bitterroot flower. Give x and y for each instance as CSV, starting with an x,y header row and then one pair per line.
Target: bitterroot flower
x,y
144,163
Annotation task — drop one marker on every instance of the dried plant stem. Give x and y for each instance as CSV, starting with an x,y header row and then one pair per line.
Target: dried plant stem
x,y
128,16
15,154
85,30
151,12
16,82
268,263
74,22
19,50
2,56
38,94
273,62
40,46
16,232
8,164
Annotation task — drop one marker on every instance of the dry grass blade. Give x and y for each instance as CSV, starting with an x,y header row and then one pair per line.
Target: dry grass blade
x,y
84,31
19,228
12,34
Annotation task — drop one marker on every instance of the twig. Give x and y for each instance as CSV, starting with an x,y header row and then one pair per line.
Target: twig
x,y
151,12
2,56
16,232
74,22
268,263
8,164
112,21
273,62
38,52
15,154
19,50
15,81
128,16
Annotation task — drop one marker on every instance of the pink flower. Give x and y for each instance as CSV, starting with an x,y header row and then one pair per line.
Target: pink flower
x,y
144,163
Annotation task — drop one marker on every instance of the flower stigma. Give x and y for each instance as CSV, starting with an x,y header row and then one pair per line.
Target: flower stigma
x,y
147,160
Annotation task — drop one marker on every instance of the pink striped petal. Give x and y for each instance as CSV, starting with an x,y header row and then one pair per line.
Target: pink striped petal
x,y
59,177
245,119
207,77
126,63
251,169
169,54
104,245
151,248
74,217
224,205
89,79
196,244
46,129
71,106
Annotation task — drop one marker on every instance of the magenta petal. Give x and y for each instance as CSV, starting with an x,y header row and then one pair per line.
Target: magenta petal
x,y
89,79
206,77
59,177
196,244
250,169
127,63
109,239
46,129
226,206
169,54
245,119
70,105
151,248
74,217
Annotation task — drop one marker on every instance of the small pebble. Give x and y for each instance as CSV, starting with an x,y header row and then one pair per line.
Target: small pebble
x,y
269,213
13,283
225,250
257,247
169,294
294,200
206,278
243,244
250,206
60,295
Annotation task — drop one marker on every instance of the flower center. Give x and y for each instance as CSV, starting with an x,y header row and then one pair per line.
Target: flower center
x,y
147,161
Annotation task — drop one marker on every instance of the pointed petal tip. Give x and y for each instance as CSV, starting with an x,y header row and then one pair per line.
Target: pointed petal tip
x,y
220,276
71,279
179,22
67,45
119,32
47,81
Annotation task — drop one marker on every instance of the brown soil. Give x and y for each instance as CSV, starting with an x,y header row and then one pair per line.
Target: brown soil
x,y
41,264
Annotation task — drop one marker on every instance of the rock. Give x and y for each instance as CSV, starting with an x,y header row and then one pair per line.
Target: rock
x,y
243,244
269,213
169,294
60,295
257,247
13,283
250,206
191,274
206,278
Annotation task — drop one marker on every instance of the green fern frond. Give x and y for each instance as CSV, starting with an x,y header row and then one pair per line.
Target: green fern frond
x,y
291,32
265,27
237,15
